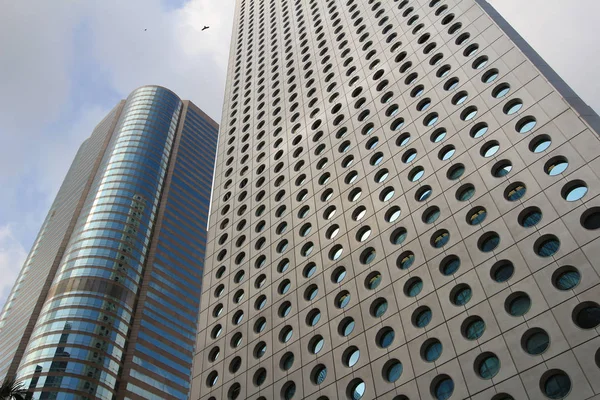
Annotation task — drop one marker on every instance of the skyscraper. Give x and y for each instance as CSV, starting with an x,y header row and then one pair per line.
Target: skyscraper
x,y
405,207
106,304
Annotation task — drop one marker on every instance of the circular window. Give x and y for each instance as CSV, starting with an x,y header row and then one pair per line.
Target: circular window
x,y
501,90
284,309
460,97
413,286
385,337
313,317
368,255
303,212
438,135
431,350
283,265
488,242
423,193
490,76
397,124
546,246
529,217
376,159
440,238
386,194
469,113
318,374
456,171
260,376
512,106
234,391
342,299
416,173
502,271
556,166
487,365
316,344
284,286
351,356
311,292
461,294
238,317
478,130
260,325
555,384
517,304
480,62
574,190
307,249
351,177
501,168
392,370
473,328
431,215
381,175
398,236
332,231
346,326
515,191
449,265
305,230
286,334
403,139
336,252
373,280
393,214
356,389
214,354
409,156
535,341
212,379
525,124
329,212
338,274
465,192
566,278
379,307
309,270
406,260
540,143
216,331
287,361
260,281
236,340
451,84
422,317
430,119
446,152
489,149
288,390
476,216
260,349
442,387
587,315
424,104
590,219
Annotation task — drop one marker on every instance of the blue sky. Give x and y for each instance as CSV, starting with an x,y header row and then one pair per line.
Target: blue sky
x,y
66,63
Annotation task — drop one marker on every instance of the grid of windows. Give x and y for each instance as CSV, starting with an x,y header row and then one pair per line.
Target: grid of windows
x,y
389,162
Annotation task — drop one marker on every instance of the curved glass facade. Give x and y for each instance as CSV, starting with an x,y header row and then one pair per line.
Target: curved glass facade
x,y
79,340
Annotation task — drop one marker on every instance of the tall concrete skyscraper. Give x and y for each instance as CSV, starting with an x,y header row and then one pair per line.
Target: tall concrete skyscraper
x,y
406,206
106,305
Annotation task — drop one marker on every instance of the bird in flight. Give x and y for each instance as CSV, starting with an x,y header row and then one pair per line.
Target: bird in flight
x,y
205,28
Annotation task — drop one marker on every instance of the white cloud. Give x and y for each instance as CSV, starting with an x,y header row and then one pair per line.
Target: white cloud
x,y
66,63
12,256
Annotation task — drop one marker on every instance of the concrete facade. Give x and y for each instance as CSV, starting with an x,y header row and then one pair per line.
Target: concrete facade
x,y
405,206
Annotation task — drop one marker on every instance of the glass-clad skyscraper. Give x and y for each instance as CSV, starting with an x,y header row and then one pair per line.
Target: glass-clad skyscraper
x,y
106,305
406,206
